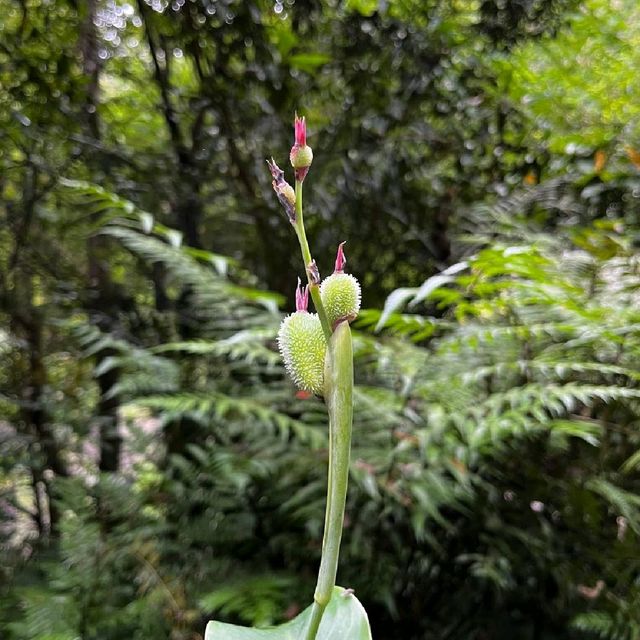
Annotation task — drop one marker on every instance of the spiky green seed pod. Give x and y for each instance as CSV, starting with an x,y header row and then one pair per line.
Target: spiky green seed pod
x,y
302,346
340,294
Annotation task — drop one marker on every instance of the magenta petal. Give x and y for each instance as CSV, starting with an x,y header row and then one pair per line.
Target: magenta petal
x,y
302,297
300,127
340,259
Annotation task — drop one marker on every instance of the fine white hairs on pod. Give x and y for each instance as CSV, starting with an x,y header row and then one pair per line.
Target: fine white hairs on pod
x,y
302,345
340,293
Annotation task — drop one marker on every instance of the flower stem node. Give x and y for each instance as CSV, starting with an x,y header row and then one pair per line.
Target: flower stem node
x,y
340,293
313,273
302,346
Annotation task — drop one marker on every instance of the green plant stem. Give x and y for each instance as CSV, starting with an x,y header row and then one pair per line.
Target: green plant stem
x,y
314,622
314,289
338,374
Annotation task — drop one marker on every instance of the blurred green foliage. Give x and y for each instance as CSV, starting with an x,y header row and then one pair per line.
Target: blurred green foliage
x,y
578,89
157,468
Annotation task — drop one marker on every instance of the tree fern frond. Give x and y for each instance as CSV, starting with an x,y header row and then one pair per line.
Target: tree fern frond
x,y
632,463
624,502
245,346
93,199
258,600
544,369
212,289
240,410
140,370
415,326
606,626
54,618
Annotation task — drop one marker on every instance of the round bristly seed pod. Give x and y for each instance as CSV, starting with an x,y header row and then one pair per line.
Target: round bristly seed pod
x,y
340,294
302,346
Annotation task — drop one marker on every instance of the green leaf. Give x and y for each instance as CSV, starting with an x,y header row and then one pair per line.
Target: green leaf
x,y
365,8
632,463
429,286
396,299
146,221
221,263
308,61
343,619
174,237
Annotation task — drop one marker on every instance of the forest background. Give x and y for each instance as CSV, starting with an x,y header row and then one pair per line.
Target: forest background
x,y
481,157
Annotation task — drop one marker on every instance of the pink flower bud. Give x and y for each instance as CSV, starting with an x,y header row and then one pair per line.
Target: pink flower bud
x,y
301,155
302,297
340,259
300,127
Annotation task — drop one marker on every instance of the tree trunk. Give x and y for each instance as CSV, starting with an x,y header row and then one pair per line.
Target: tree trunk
x,y
104,300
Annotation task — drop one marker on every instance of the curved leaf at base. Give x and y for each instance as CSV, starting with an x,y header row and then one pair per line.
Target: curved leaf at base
x,y
343,619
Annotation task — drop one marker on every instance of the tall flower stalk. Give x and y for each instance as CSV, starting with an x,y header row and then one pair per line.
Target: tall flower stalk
x,y
317,352
327,369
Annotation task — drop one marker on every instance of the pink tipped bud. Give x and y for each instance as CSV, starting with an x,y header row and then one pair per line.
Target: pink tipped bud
x,y
340,259
284,191
301,155
300,127
302,297
276,172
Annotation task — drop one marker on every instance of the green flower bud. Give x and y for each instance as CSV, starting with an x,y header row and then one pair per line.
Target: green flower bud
x,y
340,294
301,157
302,346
